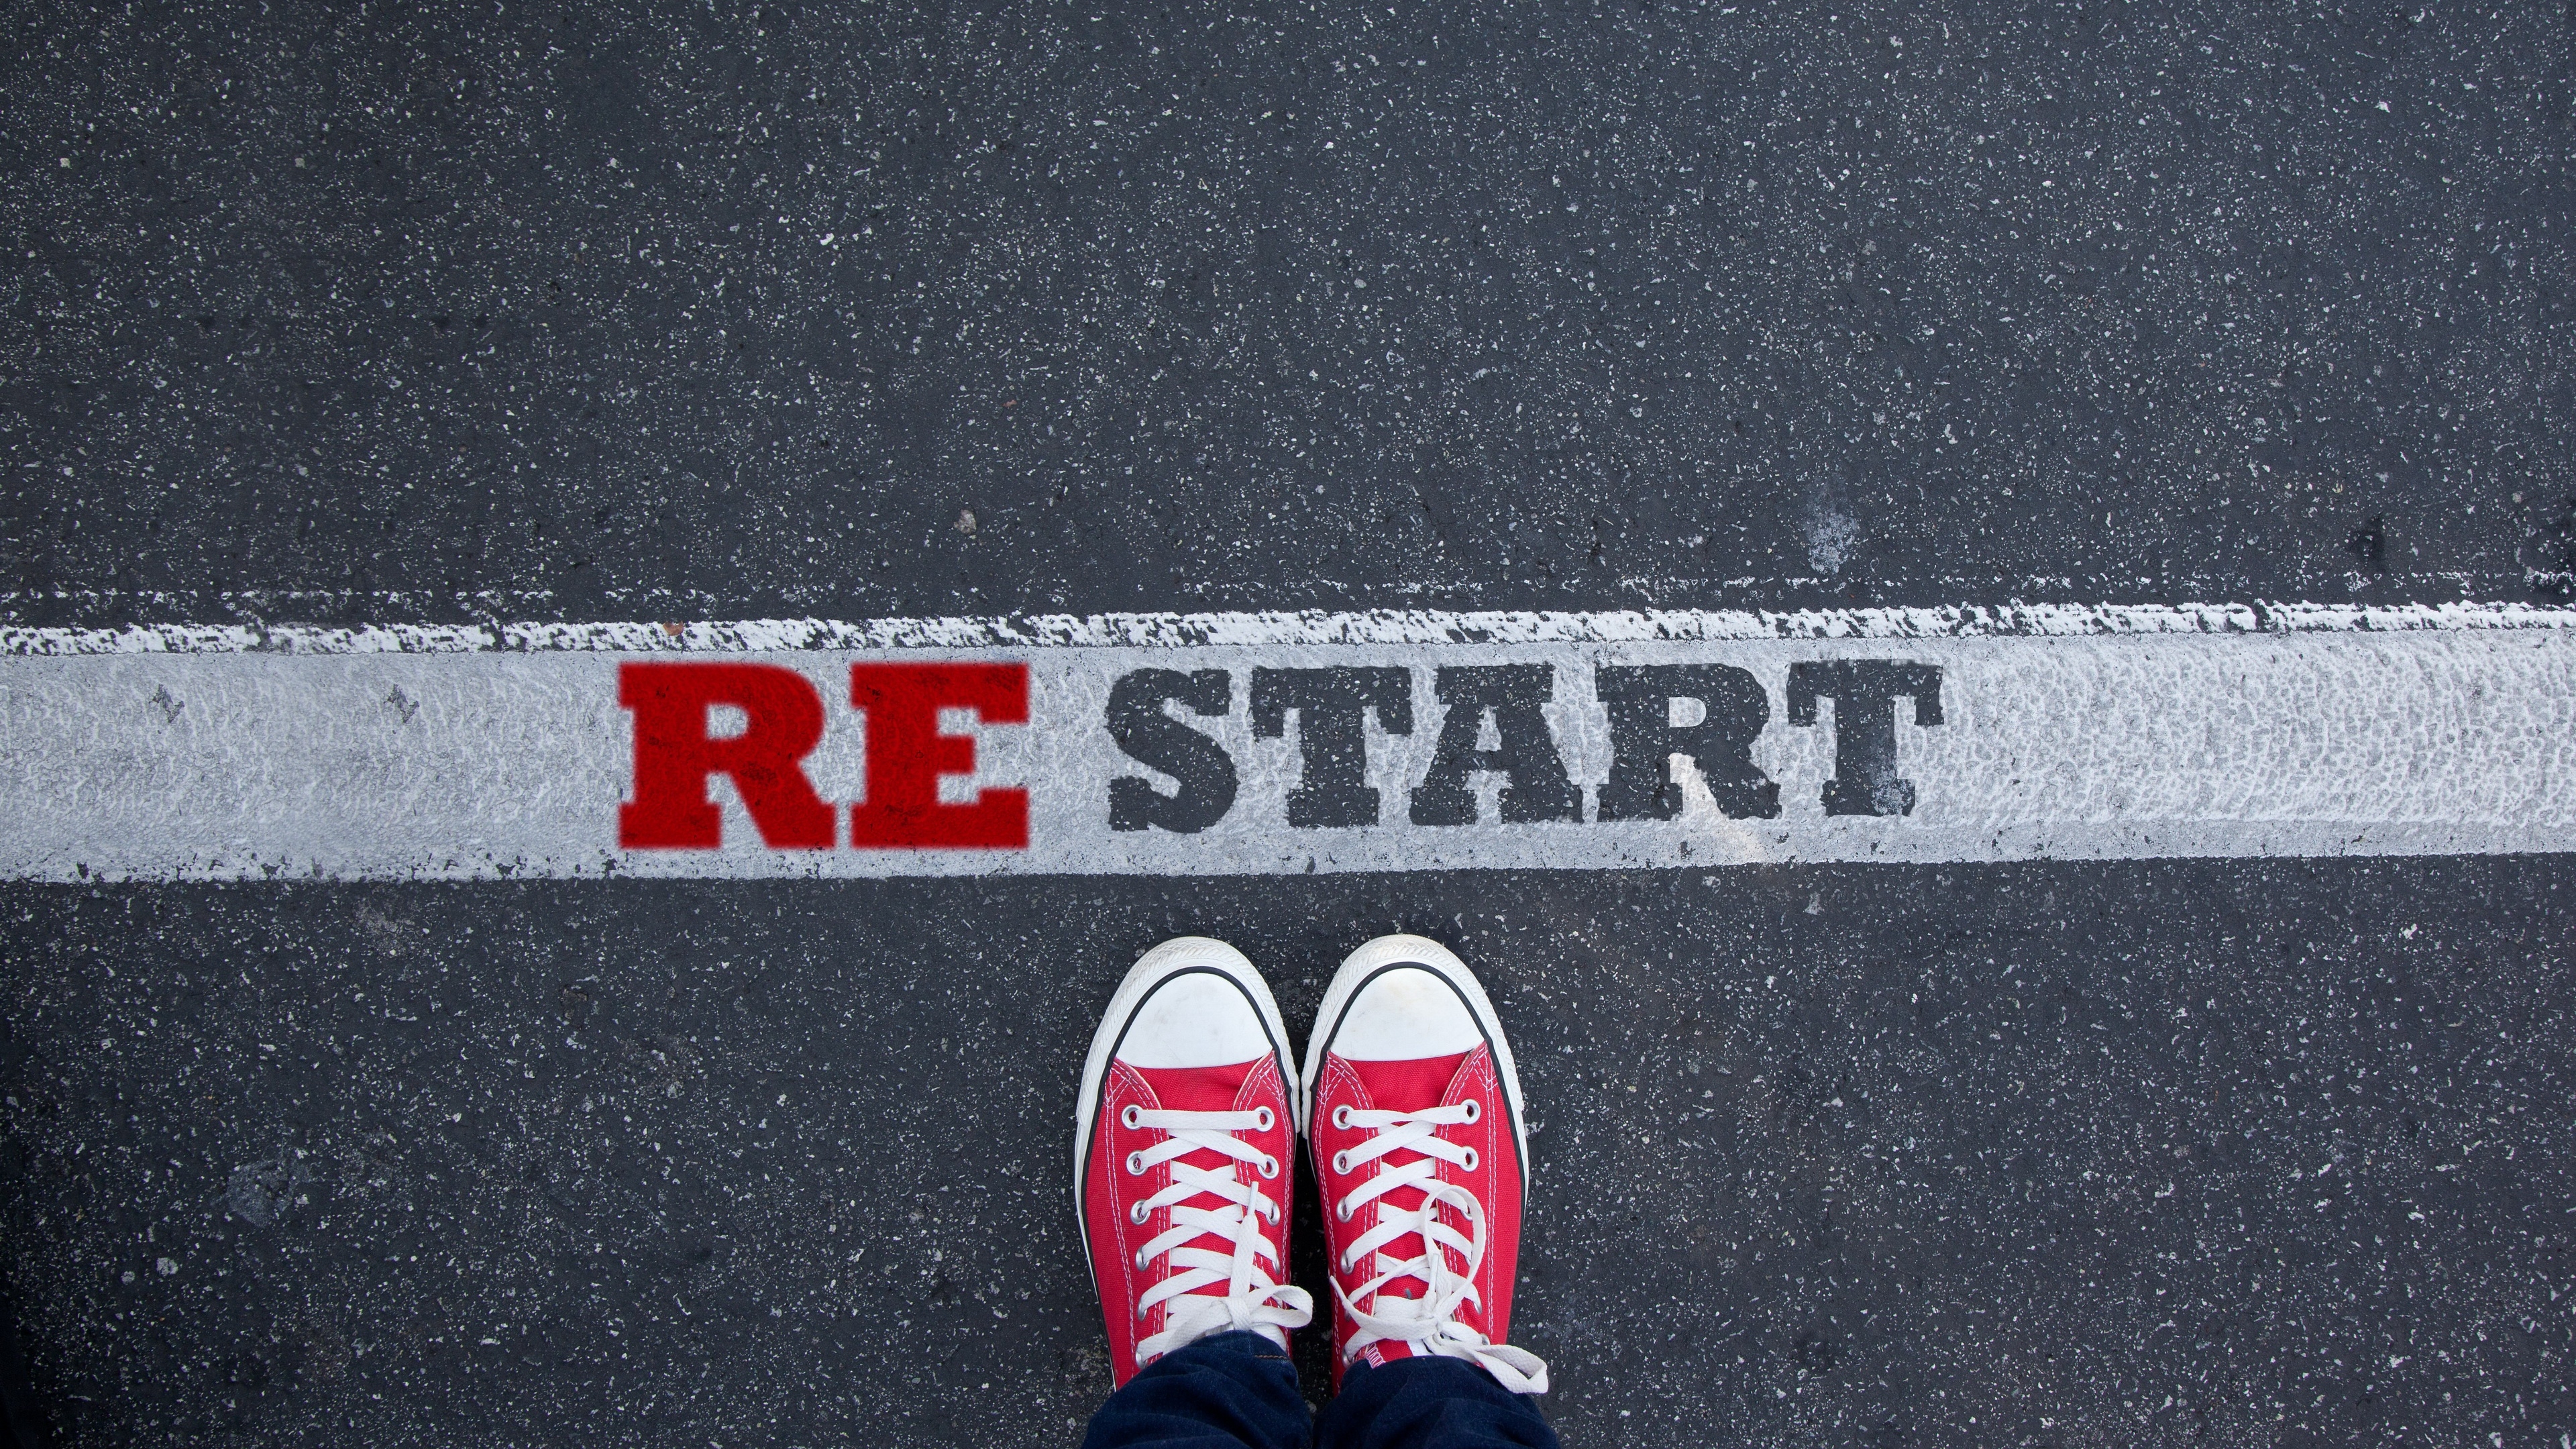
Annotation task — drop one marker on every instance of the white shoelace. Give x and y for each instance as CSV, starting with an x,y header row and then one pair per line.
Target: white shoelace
x,y
1428,1322
1247,1268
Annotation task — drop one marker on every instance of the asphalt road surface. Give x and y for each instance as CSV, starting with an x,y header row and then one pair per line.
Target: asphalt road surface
x,y
517,314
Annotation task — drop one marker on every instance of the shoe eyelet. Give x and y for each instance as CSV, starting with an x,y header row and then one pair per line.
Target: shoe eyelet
x,y
1138,1214
1341,1162
1470,1163
1263,1119
1342,1212
1135,1164
1132,1117
1140,1260
1474,1109
1269,1165
1342,1115
1271,1212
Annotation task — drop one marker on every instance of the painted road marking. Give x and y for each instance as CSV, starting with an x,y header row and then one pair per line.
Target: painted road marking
x,y
1247,743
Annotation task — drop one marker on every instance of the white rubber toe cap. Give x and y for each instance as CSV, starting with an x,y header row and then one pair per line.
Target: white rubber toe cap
x,y
1192,1001
1195,1019
1404,1014
1402,998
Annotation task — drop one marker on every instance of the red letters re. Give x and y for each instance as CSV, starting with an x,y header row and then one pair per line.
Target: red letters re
x,y
674,755
907,755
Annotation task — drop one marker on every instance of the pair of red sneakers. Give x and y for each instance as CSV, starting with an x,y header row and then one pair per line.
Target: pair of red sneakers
x,y
1183,1155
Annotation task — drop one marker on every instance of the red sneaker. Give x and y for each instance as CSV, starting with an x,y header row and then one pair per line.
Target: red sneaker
x,y
1413,1116
1182,1156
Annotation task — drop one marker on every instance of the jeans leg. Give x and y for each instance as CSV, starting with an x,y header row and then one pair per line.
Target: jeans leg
x,y
1429,1403
1226,1391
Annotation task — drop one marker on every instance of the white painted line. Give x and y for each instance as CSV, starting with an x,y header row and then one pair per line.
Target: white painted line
x,y
1380,626
1244,743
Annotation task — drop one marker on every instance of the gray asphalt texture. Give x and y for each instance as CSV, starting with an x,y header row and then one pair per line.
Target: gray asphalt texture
x,y
690,311
851,311
2052,1154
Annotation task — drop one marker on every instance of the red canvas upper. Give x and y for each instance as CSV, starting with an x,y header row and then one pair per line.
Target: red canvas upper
x,y
1482,1303
1111,1195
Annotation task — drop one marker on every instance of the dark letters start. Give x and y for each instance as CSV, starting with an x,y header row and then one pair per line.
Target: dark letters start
x,y
1332,708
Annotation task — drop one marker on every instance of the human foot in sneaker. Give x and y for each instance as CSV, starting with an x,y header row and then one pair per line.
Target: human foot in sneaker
x,y
1182,1156
1413,1116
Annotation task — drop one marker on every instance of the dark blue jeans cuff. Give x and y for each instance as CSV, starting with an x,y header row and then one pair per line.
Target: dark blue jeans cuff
x,y
1226,1391
1239,1391
1429,1403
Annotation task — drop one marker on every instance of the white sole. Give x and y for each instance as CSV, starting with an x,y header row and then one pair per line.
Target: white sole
x,y
1422,951
1162,963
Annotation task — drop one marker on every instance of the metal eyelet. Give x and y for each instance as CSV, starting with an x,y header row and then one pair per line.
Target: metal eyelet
x,y
1272,1212
1470,1163
1140,1260
1342,1115
1132,1117
1269,1165
1474,1110
1341,1162
1343,1212
1263,1119
1135,1164
1138,1214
